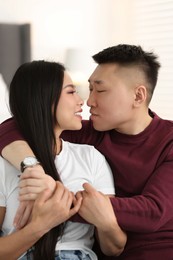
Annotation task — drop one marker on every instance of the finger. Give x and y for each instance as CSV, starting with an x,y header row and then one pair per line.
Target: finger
x,y
26,216
28,185
74,199
76,208
43,197
79,195
31,182
20,211
29,196
59,190
32,173
88,187
70,200
66,197
31,189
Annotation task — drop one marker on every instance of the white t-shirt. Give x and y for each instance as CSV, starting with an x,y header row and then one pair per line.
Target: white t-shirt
x,y
76,164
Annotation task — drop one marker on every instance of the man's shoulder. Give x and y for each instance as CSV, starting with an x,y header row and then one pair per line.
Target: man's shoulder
x,y
166,125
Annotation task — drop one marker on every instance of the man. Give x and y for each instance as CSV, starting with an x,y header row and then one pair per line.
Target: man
x,y
137,144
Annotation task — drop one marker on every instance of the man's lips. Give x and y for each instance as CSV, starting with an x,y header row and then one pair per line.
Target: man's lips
x,y
93,113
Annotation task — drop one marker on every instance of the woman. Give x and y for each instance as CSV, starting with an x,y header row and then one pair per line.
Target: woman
x,y
44,102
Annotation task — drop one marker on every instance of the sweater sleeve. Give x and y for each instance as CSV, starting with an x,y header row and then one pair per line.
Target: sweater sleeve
x,y
9,133
152,210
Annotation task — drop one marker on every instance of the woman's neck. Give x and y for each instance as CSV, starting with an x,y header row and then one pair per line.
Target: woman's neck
x,y
58,145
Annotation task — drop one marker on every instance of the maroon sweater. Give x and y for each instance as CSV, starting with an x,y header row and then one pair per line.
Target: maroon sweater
x,y
142,166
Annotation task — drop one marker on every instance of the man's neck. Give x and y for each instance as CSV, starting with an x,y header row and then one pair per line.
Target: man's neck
x,y
136,125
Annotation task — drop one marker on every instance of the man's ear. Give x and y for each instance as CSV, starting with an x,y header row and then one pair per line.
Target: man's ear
x,y
140,95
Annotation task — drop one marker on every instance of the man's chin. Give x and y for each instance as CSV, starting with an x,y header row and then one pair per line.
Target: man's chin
x,y
98,127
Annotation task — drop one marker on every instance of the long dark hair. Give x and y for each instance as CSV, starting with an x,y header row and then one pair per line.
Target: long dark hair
x,y
34,94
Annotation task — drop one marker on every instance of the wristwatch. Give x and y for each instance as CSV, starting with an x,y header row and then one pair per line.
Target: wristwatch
x,y
29,161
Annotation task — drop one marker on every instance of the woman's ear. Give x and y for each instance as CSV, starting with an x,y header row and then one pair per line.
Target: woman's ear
x,y
140,95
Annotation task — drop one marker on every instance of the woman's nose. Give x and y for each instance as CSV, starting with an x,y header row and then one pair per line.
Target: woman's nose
x,y
80,100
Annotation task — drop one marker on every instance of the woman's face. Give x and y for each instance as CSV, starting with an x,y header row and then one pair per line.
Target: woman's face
x,y
69,109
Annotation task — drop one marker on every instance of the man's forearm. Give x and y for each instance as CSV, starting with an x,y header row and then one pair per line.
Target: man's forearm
x,y
111,241
16,151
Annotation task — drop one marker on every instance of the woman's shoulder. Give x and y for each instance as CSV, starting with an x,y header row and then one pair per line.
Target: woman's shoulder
x,y
84,150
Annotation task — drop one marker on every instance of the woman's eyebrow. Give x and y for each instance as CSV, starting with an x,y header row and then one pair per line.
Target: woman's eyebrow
x,y
70,85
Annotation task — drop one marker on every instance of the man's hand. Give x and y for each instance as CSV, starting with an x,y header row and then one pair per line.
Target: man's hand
x,y
96,207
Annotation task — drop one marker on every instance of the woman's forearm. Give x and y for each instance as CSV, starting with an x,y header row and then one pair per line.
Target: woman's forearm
x,y
15,244
49,211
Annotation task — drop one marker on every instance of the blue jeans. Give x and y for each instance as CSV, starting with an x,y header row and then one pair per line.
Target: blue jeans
x,y
62,255
28,255
71,255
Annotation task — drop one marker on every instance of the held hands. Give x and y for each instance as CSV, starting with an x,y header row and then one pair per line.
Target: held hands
x,y
32,182
51,210
90,203
96,208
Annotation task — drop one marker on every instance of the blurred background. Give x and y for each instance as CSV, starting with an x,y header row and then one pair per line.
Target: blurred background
x,y
72,31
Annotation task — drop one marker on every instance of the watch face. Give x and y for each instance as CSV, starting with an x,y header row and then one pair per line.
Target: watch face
x,y
29,161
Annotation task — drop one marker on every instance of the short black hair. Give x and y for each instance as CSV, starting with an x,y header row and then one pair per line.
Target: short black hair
x,y
132,55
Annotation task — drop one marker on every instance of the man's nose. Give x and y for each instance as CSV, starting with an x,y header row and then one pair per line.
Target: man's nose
x,y
91,100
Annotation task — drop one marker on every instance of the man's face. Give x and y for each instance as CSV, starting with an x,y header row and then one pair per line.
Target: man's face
x,y
111,97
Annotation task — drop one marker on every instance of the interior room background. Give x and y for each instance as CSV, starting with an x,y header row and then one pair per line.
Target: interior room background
x,y
72,31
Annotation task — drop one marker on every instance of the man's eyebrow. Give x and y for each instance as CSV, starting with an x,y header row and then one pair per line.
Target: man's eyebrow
x,y
95,81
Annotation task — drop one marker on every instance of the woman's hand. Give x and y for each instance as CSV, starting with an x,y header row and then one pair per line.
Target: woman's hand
x,y
56,209
33,181
23,214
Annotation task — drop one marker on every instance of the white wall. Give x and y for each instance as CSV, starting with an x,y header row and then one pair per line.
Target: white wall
x,y
57,26
92,25
150,25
